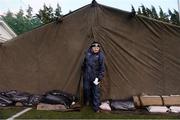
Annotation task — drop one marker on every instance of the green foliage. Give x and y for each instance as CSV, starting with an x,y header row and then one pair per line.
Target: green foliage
x,y
170,17
139,11
58,11
144,12
25,21
154,13
29,12
174,17
133,9
163,16
21,23
47,14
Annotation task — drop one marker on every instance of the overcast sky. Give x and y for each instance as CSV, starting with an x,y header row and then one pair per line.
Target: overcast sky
x,y
67,5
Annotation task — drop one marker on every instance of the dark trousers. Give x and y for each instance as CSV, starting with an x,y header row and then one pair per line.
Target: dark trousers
x,y
91,94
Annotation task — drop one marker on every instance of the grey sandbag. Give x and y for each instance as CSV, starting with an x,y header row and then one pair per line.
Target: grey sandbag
x,y
25,98
5,101
16,96
59,97
122,105
64,94
52,99
33,100
22,97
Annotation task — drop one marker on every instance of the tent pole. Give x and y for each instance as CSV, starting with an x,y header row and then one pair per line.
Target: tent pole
x,y
179,9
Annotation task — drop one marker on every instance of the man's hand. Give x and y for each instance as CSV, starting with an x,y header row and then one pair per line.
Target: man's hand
x,y
96,81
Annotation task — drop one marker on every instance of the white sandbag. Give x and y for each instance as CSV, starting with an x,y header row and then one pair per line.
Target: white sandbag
x,y
105,106
175,109
157,109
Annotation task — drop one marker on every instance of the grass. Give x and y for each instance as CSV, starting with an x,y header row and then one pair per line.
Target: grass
x,y
6,112
85,113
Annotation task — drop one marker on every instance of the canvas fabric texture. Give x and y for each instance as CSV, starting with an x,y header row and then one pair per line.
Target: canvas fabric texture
x,y
141,54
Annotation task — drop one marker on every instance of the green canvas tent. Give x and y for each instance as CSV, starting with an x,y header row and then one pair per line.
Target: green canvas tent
x,y
142,55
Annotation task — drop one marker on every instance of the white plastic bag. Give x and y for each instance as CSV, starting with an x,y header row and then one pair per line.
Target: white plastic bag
x,y
105,106
157,109
175,109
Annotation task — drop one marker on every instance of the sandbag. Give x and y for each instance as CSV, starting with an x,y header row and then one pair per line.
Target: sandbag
x,y
52,99
136,101
173,100
105,106
59,97
17,96
157,109
26,99
9,93
148,100
19,104
175,109
122,105
64,94
33,100
5,101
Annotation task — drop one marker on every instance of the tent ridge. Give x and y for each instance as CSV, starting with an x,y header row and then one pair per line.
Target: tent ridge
x,y
94,3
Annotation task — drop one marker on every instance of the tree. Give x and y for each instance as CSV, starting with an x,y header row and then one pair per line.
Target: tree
x,y
10,20
21,23
133,9
154,13
177,17
163,16
29,12
148,13
58,11
20,13
144,12
174,17
139,11
171,17
46,14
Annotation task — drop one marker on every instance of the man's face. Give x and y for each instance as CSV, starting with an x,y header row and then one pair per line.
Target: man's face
x,y
96,48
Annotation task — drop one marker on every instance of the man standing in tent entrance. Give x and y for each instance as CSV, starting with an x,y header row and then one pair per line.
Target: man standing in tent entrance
x,y
93,73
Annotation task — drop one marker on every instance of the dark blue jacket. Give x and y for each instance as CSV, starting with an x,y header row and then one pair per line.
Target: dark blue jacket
x,y
93,65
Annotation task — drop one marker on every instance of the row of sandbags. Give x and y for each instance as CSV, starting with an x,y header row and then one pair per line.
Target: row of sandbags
x,y
157,103
156,100
111,105
129,106
151,102
10,98
163,109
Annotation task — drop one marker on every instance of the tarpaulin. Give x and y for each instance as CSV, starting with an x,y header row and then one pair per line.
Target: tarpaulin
x,y
142,54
